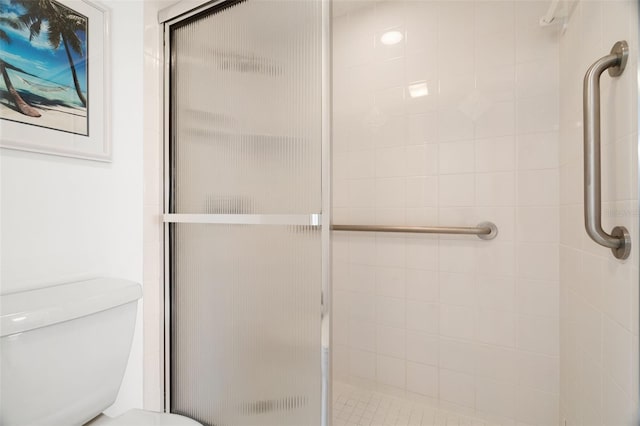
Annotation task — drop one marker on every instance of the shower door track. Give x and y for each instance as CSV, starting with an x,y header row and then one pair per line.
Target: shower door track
x,y
175,14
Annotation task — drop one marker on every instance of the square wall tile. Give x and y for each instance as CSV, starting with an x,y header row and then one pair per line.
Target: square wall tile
x,y
538,151
458,388
390,251
391,341
538,334
538,261
457,355
457,256
421,160
497,398
496,292
497,259
362,364
422,129
391,282
456,190
495,154
456,157
538,188
616,353
422,286
391,371
539,372
535,407
496,327
421,252
422,347
538,298
538,224
454,125
422,379
496,189
390,311
497,363
458,289
362,335
497,120
457,322
422,316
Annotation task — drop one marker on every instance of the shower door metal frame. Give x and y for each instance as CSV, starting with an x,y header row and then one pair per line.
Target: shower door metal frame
x,y
173,15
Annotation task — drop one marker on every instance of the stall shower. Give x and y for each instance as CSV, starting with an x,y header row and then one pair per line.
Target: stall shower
x,y
454,113
375,212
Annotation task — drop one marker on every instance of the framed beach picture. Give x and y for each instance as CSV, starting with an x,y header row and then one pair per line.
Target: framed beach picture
x,y
54,80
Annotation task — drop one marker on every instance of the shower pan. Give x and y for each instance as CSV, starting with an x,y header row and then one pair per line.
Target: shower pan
x,y
401,212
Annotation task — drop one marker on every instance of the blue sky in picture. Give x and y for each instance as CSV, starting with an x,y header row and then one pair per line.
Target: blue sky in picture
x,y
37,56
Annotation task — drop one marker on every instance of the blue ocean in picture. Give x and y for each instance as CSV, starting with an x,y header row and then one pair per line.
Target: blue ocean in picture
x,y
43,65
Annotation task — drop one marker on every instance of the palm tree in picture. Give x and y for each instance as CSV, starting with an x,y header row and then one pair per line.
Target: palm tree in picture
x,y
20,103
63,26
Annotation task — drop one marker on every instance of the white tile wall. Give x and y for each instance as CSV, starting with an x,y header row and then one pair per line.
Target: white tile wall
x,y
599,296
468,324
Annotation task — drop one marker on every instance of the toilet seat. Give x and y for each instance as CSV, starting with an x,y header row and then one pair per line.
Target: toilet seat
x,y
137,417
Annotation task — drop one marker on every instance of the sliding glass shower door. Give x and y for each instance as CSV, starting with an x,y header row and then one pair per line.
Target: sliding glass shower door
x,y
246,236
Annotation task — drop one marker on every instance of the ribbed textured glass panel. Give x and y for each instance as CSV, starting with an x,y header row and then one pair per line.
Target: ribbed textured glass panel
x,y
246,324
246,108
246,138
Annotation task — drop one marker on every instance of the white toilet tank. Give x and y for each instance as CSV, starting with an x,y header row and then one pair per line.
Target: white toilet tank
x,y
64,349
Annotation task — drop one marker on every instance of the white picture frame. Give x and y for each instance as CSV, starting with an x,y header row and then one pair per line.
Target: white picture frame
x,y
92,142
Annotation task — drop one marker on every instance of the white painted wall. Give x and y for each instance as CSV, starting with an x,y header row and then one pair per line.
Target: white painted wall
x,y
599,294
65,218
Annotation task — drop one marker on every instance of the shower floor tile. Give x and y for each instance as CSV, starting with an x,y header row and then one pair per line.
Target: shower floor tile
x,y
353,406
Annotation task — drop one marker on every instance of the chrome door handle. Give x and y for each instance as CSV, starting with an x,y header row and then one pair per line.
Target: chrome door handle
x,y
619,241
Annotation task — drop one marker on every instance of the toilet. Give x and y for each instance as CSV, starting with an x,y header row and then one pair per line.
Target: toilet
x,y
63,354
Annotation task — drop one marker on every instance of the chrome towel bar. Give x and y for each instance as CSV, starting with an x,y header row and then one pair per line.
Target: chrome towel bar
x,y
619,241
484,230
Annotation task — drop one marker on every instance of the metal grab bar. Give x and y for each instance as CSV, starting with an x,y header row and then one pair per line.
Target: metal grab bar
x,y
484,230
619,241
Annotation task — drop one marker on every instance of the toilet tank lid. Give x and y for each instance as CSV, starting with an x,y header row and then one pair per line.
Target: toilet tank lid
x,y
28,310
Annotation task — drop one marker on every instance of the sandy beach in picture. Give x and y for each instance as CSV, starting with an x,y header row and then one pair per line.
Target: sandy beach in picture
x,y
54,116
43,47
